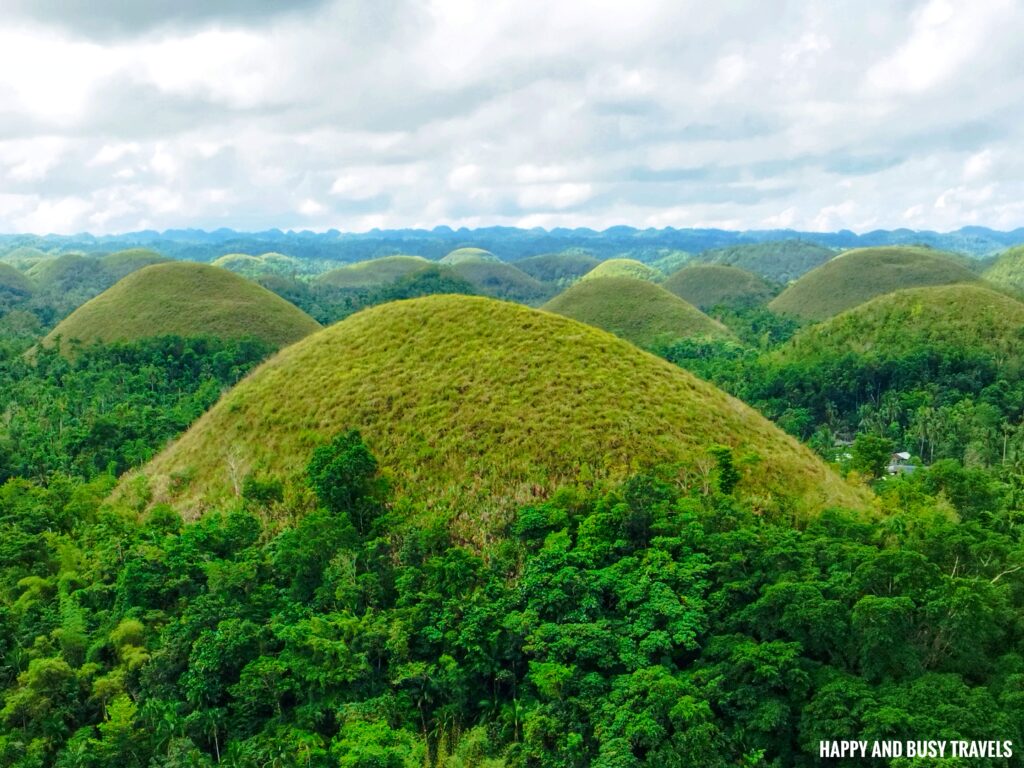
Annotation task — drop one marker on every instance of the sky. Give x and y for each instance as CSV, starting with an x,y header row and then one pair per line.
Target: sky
x,y
117,116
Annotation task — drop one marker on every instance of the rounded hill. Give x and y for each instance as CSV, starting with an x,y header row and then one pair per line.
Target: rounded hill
x,y
712,285
366,274
625,268
558,268
965,316
463,255
501,281
185,299
862,274
1008,270
481,405
122,263
636,310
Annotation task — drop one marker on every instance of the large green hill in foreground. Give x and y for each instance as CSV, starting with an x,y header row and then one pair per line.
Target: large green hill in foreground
x,y
636,310
185,299
857,276
481,405
969,317
711,285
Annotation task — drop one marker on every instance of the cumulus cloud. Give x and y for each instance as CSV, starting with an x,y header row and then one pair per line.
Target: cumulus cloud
x,y
119,115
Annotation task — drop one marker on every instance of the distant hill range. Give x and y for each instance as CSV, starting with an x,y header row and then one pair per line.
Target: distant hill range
x,y
508,243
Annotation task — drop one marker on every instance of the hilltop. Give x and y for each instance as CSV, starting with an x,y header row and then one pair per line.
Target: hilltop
x,y
501,281
1008,270
265,264
185,299
625,268
964,316
636,310
711,285
560,268
778,260
374,272
122,263
463,255
857,276
481,405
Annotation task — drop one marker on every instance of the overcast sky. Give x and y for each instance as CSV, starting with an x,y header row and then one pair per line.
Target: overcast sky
x,y
391,113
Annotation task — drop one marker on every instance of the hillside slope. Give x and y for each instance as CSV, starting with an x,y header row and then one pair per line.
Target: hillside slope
x,y
970,317
857,276
185,299
365,274
501,281
463,255
1008,270
482,405
711,285
636,310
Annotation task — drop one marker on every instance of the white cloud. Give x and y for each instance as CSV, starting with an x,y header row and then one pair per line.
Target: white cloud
x,y
653,113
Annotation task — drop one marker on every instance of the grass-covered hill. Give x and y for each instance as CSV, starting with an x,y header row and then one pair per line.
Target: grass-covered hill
x,y
501,281
636,310
13,281
185,299
712,285
122,263
265,264
462,255
483,405
625,268
1008,270
962,316
857,276
375,272
560,268
779,261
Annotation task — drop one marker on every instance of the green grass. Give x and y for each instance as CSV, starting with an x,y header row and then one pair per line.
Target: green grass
x,y
185,299
862,274
481,405
625,268
712,285
122,263
562,268
971,317
375,272
502,281
1008,270
14,281
266,264
636,310
463,255
65,270
779,260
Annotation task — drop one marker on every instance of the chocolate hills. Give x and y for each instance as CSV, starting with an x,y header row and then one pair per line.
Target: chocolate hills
x,y
962,316
857,276
625,268
375,272
481,405
636,310
186,299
